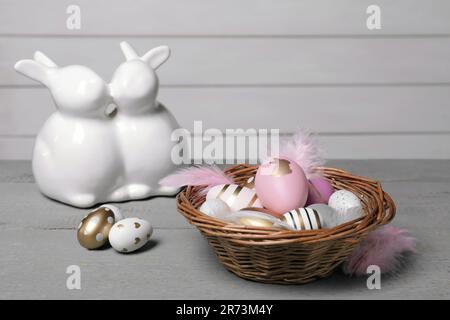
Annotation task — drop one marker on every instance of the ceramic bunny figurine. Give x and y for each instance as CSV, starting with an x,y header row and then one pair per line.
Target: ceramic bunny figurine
x,y
82,155
143,125
75,158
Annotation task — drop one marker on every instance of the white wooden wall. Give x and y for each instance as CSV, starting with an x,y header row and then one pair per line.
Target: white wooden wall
x,y
253,64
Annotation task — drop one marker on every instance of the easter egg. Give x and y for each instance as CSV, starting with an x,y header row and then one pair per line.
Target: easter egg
x,y
256,217
303,219
235,196
130,234
328,216
319,190
256,222
347,205
281,185
214,207
94,228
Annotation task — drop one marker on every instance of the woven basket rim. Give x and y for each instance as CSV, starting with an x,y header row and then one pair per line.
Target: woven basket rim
x,y
380,211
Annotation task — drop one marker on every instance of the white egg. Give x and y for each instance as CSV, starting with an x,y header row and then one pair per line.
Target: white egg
x,y
116,211
215,207
347,205
328,216
130,234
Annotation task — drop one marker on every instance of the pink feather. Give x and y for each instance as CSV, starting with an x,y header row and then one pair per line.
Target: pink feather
x,y
303,148
385,247
196,176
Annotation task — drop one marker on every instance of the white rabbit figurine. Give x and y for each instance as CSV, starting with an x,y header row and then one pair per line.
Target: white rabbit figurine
x,y
75,158
143,125
82,154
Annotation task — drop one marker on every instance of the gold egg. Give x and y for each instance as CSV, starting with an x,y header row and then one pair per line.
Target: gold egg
x,y
94,229
256,222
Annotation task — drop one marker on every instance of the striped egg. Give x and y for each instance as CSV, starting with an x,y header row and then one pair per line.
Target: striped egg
x,y
303,219
237,197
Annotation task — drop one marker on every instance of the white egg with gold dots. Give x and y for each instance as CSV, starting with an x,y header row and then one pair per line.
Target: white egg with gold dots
x,y
130,234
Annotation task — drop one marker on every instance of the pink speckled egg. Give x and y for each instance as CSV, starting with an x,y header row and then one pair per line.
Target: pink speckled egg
x,y
320,191
281,185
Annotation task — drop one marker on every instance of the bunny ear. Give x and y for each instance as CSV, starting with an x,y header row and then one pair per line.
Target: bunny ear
x,y
42,58
128,51
33,70
157,56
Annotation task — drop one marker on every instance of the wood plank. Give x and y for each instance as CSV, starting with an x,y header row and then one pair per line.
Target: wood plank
x,y
231,17
321,110
345,146
253,61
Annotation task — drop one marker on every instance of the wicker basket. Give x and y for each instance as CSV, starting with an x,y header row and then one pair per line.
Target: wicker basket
x,y
282,256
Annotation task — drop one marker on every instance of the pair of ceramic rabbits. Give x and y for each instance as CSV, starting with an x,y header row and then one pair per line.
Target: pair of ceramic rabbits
x,y
83,155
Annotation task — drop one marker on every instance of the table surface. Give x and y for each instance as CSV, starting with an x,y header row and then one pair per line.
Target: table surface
x,y
38,243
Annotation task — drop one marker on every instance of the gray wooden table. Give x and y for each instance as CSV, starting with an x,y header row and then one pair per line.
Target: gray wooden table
x,y
38,242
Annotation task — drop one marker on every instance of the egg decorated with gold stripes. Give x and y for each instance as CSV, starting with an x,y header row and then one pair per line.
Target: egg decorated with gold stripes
x,y
303,219
235,196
